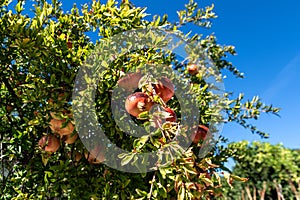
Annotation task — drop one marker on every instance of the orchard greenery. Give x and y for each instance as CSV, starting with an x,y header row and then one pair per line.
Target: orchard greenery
x,y
41,52
273,171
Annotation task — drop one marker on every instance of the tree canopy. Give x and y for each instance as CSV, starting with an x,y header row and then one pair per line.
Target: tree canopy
x,y
273,170
41,53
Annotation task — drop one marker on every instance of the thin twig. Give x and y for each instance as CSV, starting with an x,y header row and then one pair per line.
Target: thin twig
x,y
151,188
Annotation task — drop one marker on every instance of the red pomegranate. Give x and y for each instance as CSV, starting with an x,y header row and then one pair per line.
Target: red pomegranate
x,y
56,127
49,143
173,117
164,89
200,134
138,102
192,69
96,155
70,139
130,81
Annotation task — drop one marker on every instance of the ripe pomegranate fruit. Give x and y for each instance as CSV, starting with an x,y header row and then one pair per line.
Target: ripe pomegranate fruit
x,y
138,102
49,143
56,127
192,69
200,134
130,81
96,155
173,117
70,139
164,89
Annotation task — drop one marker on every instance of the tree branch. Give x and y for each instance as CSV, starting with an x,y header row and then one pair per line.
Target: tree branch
x,y
13,94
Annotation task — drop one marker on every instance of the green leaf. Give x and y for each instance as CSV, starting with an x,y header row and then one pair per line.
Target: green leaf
x,y
181,194
19,7
127,159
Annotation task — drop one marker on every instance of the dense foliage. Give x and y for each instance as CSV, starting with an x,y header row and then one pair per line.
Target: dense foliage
x,y
273,171
41,52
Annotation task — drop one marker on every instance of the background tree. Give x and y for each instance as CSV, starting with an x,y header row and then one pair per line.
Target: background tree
x,y
41,52
273,171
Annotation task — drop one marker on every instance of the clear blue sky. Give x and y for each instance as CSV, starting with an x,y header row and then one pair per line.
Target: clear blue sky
x,y
266,35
